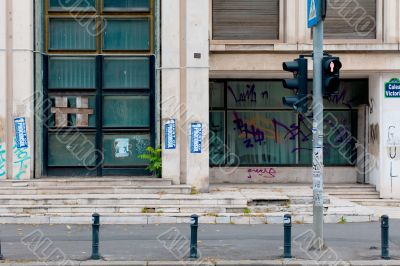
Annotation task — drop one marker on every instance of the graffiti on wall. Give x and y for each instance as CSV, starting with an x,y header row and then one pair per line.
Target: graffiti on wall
x,y
3,170
393,150
280,132
261,172
21,161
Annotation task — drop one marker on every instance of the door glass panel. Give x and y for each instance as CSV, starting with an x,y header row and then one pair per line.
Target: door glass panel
x,y
126,73
124,149
217,95
72,5
126,111
256,94
338,142
263,137
71,34
126,5
217,138
126,34
72,73
71,149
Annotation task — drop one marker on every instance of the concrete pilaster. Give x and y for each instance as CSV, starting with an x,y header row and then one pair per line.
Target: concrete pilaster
x,y
3,110
16,66
171,85
197,92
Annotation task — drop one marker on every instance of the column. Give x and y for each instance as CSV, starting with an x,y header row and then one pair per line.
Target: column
x,y
170,90
197,94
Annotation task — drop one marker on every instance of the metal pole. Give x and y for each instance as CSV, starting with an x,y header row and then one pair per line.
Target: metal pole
x,y
318,111
287,236
385,237
194,224
95,237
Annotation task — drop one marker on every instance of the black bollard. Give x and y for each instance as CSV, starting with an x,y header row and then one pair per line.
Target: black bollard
x,y
194,225
1,254
287,238
385,237
95,236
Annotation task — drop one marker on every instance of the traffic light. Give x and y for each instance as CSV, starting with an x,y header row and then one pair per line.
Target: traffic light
x,y
330,75
299,84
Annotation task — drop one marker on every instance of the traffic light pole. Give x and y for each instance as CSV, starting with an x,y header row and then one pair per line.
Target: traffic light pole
x,y
317,162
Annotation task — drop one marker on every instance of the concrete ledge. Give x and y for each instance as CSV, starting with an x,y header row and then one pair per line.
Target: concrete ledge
x,y
209,263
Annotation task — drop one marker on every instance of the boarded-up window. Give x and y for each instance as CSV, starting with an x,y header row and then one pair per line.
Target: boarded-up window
x,y
245,19
351,19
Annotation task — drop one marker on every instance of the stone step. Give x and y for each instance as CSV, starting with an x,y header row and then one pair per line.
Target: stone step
x,y
358,197
350,193
355,190
56,190
65,210
139,218
88,182
121,199
378,202
348,186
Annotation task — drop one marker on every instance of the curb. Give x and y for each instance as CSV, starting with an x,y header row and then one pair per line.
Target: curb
x,y
210,263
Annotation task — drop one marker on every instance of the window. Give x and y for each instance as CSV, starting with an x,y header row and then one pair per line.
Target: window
x,y
249,123
245,20
351,19
98,87
123,25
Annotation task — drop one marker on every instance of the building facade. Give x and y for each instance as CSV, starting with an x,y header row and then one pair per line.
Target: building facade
x,y
95,82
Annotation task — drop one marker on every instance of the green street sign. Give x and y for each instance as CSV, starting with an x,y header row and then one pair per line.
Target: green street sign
x,y
392,88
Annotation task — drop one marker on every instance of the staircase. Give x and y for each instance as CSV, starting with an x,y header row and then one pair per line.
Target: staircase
x,y
123,200
353,192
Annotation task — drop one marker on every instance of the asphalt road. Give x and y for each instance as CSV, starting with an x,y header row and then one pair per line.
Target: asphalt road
x,y
353,241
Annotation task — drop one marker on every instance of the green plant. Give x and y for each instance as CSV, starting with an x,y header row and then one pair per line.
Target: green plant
x,y
153,155
194,191
148,210
342,220
246,211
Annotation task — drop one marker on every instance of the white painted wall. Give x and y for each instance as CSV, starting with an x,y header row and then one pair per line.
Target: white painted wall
x,y
390,142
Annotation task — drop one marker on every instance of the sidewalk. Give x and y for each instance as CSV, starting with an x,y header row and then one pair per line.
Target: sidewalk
x,y
218,244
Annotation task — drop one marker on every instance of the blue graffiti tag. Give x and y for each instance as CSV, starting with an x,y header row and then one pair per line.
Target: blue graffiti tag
x,y
22,161
3,170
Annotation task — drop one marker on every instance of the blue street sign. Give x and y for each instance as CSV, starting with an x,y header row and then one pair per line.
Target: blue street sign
x,y
21,138
170,134
392,88
196,136
313,12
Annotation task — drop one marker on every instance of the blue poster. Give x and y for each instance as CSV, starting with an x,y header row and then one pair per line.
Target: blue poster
x,y
392,88
196,135
21,136
170,134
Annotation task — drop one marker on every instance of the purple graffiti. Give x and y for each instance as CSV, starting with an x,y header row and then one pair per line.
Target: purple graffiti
x,y
263,172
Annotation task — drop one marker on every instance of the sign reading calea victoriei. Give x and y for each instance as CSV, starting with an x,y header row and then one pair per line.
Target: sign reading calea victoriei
x,y
392,88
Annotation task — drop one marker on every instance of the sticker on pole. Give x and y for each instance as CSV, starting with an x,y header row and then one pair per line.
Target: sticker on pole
x,y
21,136
313,7
170,134
196,134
